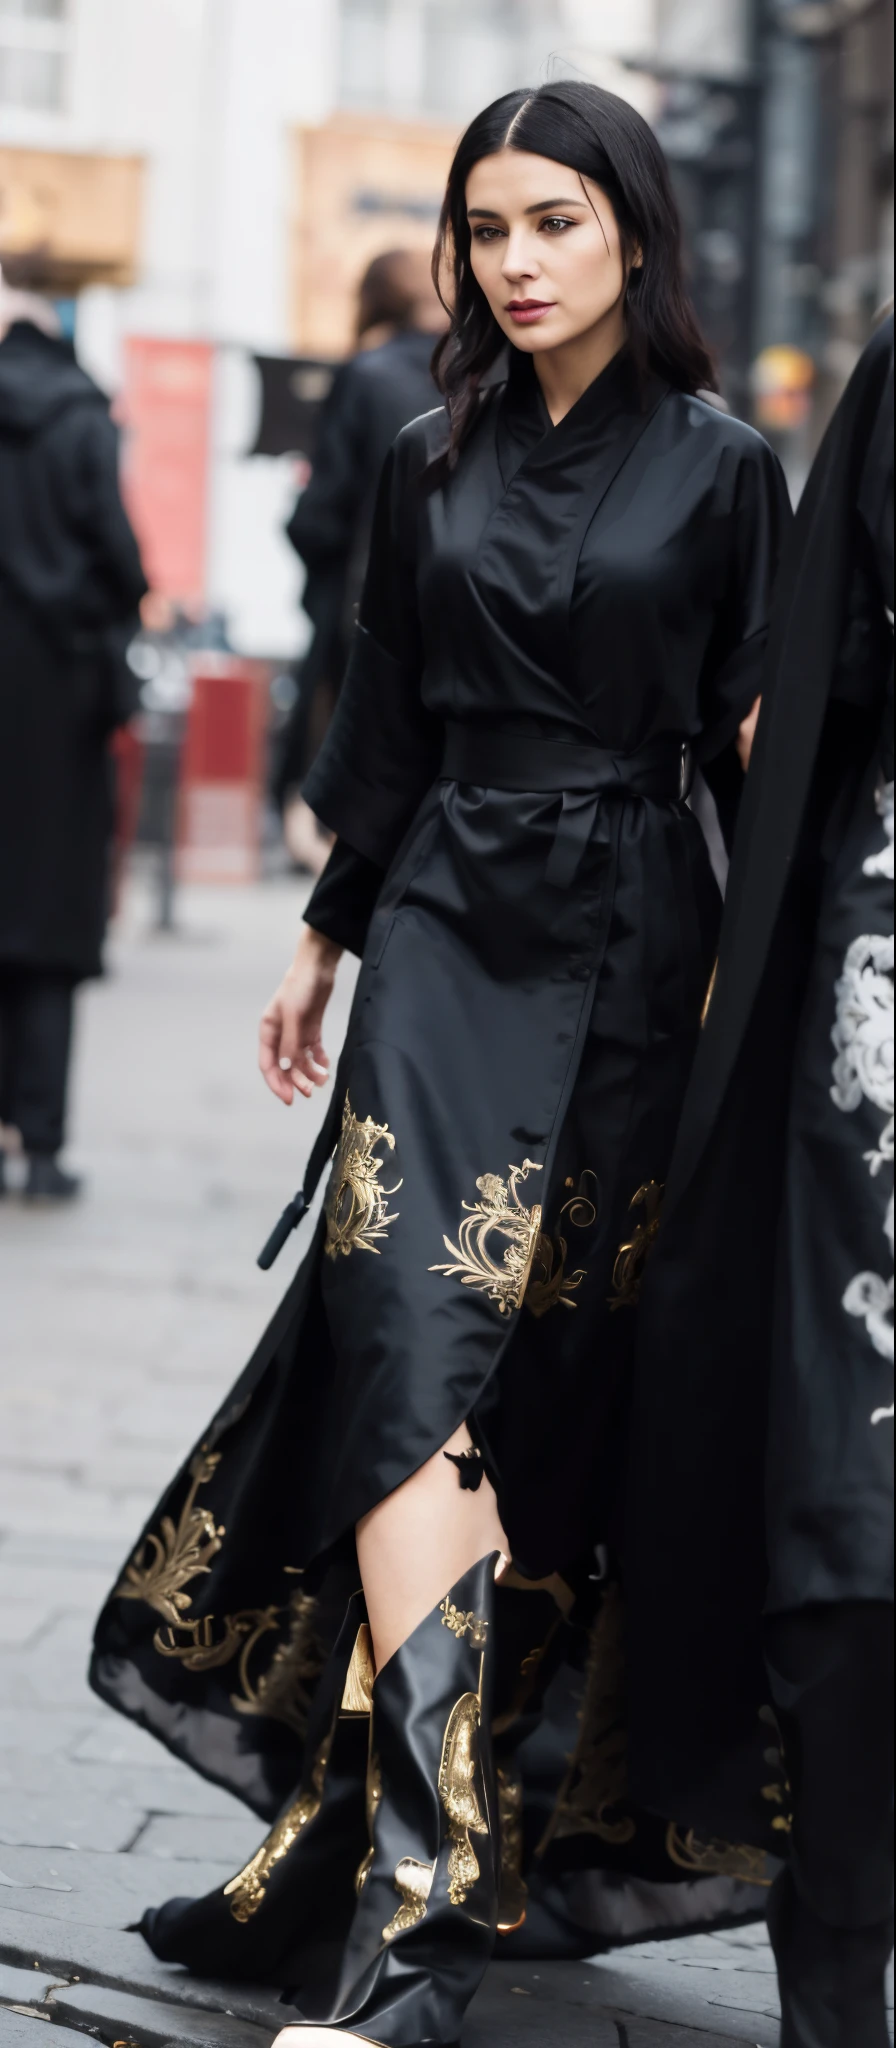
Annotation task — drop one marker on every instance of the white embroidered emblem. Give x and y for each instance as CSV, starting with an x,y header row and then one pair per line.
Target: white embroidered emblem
x,y
863,1071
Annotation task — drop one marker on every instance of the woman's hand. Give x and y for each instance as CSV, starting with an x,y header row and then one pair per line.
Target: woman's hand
x,y
290,1050
746,733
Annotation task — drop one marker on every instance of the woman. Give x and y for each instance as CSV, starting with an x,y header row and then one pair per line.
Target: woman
x,y
386,384
567,596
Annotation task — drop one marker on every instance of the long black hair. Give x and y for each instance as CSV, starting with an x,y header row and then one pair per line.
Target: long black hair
x,y
601,137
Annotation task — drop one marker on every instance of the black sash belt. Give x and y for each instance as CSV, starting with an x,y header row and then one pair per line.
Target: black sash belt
x,y
660,770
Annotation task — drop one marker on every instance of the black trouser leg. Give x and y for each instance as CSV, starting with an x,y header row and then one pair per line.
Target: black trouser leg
x,y
35,1045
831,1673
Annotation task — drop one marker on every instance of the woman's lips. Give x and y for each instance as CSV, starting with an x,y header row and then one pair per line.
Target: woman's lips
x,y
525,311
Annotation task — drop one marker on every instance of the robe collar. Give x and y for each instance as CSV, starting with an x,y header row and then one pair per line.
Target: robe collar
x,y
525,429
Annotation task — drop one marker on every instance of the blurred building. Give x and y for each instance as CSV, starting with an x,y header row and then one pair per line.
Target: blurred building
x,y
208,178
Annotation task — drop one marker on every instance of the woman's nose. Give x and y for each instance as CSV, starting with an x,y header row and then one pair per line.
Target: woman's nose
x,y
519,258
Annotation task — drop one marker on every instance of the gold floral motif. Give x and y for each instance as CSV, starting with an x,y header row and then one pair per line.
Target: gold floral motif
x,y
247,1890
374,1800
195,1645
631,1258
514,1891
462,1624
592,1797
501,1211
457,1791
716,1859
356,1207
285,1690
163,1566
413,1882
550,1285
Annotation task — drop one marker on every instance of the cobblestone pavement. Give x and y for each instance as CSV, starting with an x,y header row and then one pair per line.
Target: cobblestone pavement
x,y
124,1320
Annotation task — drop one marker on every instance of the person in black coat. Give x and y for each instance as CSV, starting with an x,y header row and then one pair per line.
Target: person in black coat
x,y
765,1347
386,384
70,584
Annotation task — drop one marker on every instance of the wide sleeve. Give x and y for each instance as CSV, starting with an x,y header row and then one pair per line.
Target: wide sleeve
x,y
343,899
382,751
757,519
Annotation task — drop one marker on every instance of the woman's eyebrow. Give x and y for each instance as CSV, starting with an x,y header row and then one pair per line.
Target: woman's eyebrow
x,y
541,206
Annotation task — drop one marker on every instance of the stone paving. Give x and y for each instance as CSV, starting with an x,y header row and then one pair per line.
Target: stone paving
x,y
123,1322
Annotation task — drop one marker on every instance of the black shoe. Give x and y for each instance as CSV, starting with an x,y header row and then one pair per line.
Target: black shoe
x,y
832,1980
47,1182
424,1929
286,1915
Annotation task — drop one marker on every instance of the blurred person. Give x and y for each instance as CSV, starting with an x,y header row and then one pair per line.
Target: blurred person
x,y
70,584
768,1308
385,384
567,596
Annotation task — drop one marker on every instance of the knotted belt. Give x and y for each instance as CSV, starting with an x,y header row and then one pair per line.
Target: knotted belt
x,y
661,769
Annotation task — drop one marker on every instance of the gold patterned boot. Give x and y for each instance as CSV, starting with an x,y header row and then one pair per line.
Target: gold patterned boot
x,y
424,1928
285,1916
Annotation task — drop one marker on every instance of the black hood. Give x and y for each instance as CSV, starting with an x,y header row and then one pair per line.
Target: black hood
x,y
39,377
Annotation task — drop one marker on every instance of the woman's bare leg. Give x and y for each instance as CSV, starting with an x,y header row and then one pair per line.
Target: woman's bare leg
x,y
418,1541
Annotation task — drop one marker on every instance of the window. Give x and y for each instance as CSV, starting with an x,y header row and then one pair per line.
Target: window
x,y
34,37
442,57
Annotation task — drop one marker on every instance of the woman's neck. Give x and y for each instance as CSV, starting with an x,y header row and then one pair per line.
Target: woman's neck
x,y
565,372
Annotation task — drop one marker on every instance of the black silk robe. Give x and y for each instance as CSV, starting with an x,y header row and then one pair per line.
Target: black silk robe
x,y
534,969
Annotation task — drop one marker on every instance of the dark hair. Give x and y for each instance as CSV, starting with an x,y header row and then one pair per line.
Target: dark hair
x,y
391,289
601,137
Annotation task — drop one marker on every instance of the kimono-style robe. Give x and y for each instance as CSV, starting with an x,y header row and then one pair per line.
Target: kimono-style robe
x,y
546,635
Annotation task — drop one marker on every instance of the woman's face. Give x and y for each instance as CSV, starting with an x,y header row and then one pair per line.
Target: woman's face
x,y
545,251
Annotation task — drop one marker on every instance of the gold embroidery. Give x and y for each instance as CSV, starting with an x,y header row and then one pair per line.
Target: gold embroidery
x,y
709,993
717,1859
284,1691
413,1881
357,1699
247,1890
780,1792
457,1791
200,1651
164,1565
499,1210
374,1799
593,1793
462,1624
514,1890
356,1206
550,1285
631,1258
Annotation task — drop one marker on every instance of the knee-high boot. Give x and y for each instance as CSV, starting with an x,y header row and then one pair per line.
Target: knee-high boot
x,y
424,1928
289,1910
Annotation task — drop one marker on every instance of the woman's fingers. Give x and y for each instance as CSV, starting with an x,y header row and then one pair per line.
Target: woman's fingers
x,y
269,1057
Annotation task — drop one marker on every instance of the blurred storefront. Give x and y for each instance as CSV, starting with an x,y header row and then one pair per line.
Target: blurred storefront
x,y
213,177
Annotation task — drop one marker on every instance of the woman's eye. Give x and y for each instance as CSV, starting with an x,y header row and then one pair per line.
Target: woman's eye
x,y
556,224
486,234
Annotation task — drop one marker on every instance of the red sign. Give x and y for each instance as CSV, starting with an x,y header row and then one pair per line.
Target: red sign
x,y
222,771
166,406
